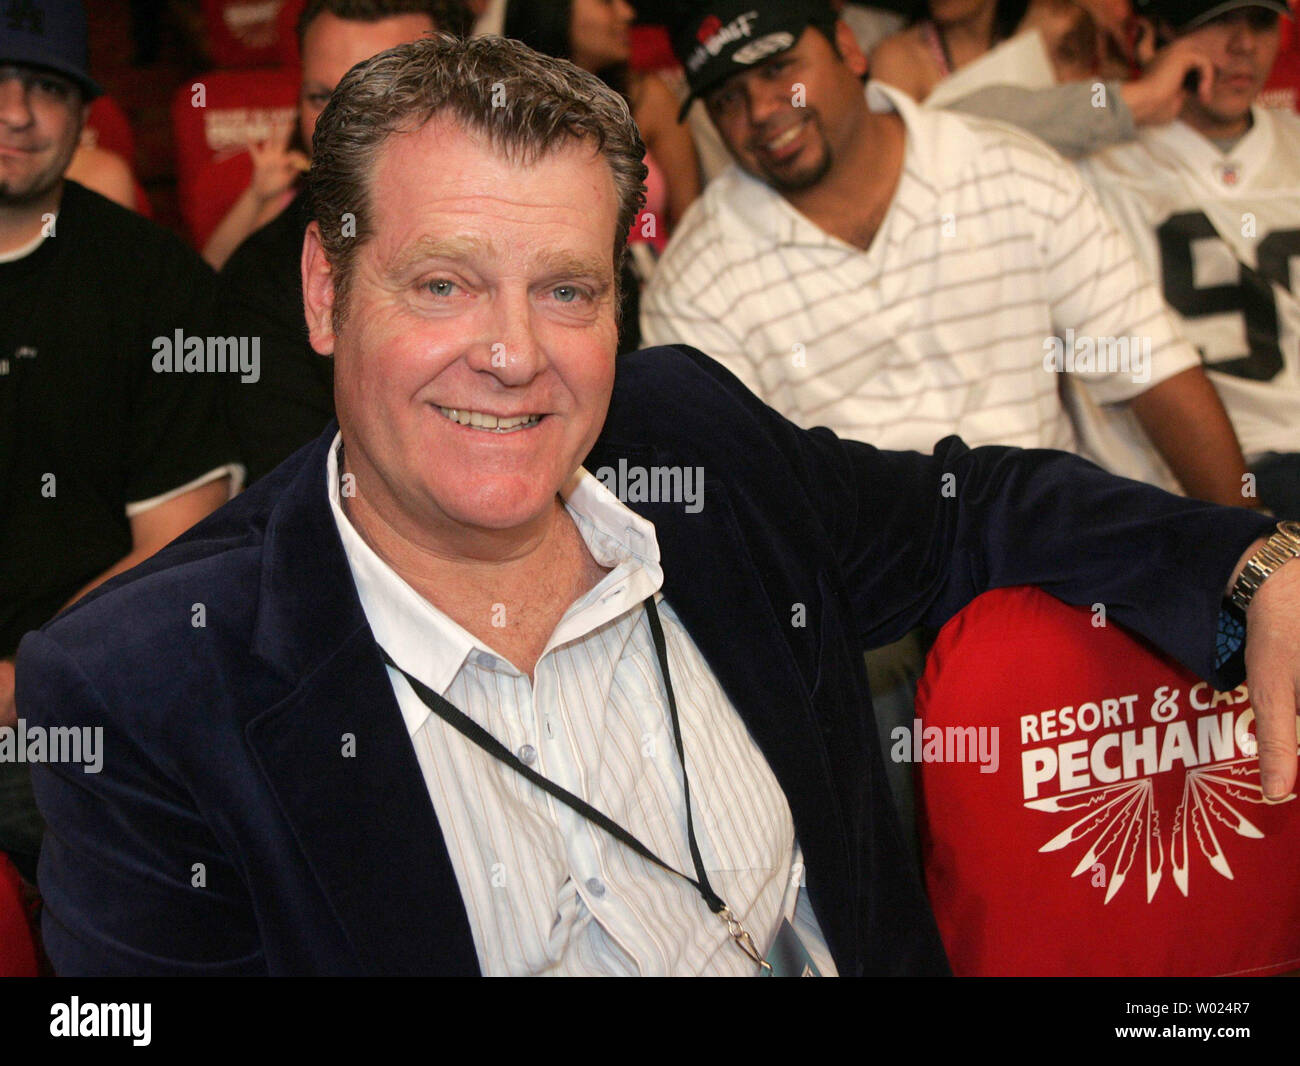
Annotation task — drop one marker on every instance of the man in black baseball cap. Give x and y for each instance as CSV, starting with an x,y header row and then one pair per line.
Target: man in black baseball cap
x,y
869,171
1241,39
719,39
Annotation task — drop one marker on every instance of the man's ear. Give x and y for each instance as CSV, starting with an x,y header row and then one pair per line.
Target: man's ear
x,y
847,45
317,292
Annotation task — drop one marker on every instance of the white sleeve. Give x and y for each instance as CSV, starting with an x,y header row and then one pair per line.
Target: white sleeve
x,y
1098,287
683,304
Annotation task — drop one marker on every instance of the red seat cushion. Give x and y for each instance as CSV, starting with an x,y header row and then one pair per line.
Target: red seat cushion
x,y
215,189
1282,90
111,128
243,33
238,106
1123,831
287,32
17,950
651,49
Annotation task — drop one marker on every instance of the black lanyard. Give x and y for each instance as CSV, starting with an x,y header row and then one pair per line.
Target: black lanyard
x,y
471,730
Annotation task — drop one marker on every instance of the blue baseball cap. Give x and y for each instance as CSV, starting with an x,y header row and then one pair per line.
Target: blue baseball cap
x,y
50,34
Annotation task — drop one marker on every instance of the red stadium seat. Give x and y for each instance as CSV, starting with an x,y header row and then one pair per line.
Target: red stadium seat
x,y
1282,90
651,49
212,163
287,32
111,128
17,948
1123,831
243,33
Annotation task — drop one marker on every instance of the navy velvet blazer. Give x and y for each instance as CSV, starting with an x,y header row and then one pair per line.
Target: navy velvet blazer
x,y
226,834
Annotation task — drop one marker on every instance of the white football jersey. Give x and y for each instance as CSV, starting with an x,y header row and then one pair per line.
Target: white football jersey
x,y
1221,234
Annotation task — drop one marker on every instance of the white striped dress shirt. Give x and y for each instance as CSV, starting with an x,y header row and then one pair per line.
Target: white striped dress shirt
x,y
547,892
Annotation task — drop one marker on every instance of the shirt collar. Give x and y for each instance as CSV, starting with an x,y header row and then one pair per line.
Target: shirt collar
x,y
1181,144
26,250
433,648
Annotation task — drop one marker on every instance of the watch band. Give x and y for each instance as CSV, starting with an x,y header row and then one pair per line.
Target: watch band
x,y
1281,547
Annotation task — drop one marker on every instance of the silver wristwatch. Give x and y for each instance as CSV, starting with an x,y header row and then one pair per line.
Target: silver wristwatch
x,y
1281,547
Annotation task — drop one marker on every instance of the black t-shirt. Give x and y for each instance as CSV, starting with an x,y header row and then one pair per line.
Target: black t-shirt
x,y
87,426
259,293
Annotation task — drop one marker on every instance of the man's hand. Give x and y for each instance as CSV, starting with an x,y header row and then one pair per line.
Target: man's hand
x,y
275,165
8,710
1109,15
1158,96
1273,673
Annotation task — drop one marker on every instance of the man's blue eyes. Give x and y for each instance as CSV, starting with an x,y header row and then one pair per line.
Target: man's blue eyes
x,y
565,294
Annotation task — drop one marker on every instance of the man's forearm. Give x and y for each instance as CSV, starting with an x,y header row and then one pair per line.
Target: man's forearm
x,y
1272,637
1185,420
1065,116
8,711
161,525
132,558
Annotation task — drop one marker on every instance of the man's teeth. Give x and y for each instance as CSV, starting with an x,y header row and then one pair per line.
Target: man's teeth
x,y
787,137
478,420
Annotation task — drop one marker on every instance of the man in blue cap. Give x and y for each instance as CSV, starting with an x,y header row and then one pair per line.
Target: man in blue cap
x,y
102,459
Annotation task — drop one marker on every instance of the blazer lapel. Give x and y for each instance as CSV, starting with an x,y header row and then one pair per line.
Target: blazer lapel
x,y
336,753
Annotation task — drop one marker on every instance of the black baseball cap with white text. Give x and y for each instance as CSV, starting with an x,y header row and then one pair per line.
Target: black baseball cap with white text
x,y
715,39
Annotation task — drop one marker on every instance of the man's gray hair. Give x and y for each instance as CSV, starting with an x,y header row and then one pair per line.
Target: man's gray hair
x,y
525,103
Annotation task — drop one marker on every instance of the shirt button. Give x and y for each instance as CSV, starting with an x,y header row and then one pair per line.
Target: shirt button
x,y
596,886
527,754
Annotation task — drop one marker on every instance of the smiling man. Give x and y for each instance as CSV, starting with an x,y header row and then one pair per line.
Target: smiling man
x,y
454,707
260,288
894,272
1212,203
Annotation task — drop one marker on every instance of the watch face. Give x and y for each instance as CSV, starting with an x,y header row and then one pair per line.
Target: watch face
x,y
1290,529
